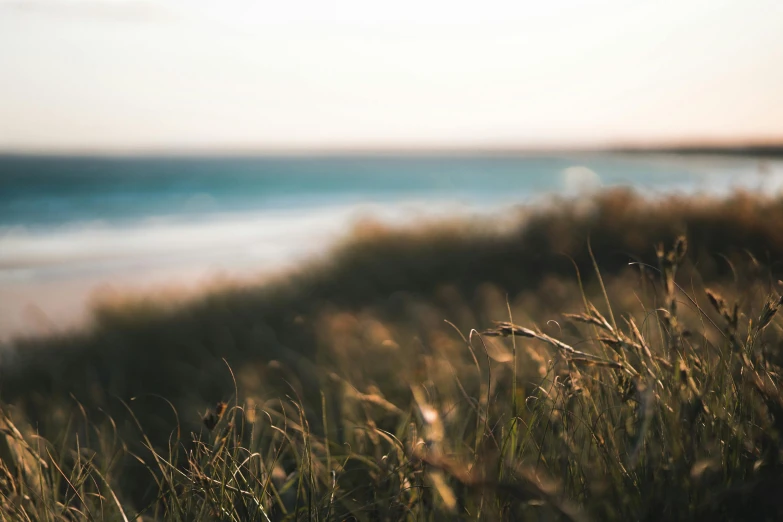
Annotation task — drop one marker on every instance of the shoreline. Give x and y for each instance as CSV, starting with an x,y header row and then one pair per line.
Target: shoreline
x,y
47,294
49,273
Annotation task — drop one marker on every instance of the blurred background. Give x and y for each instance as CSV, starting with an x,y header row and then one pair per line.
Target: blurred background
x,y
163,146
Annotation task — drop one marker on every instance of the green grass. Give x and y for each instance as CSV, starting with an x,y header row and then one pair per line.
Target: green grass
x,y
453,373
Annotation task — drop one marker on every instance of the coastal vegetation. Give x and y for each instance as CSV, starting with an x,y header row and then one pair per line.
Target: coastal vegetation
x,y
611,358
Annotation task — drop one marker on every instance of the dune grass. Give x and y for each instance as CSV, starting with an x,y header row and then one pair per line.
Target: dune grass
x,y
452,373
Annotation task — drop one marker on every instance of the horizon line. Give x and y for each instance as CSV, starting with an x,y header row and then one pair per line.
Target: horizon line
x,y
771,147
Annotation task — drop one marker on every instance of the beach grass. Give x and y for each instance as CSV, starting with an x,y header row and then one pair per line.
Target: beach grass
x,y
610,359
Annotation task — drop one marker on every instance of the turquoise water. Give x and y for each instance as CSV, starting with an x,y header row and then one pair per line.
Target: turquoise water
x,y
41,191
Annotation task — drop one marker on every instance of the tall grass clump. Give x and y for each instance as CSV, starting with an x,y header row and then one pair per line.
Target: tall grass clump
x,y
647,390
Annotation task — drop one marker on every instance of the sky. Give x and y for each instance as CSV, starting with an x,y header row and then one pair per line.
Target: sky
x,y
244,75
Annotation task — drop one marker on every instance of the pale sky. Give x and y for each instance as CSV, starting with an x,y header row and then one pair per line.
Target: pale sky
x,y
132,75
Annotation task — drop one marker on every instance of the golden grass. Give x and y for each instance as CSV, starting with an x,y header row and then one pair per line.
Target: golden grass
x,y
453,372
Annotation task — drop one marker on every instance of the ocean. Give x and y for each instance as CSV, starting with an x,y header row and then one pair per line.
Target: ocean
x,y
74,226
